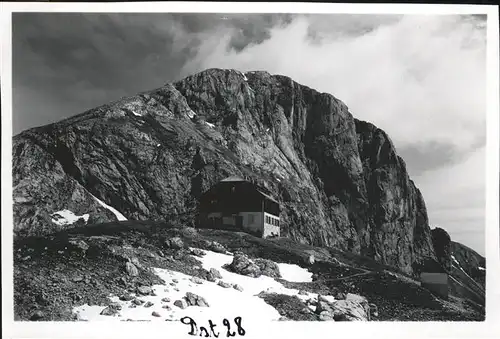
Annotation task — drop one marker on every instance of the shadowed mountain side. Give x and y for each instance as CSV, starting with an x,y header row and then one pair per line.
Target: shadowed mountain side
x,y
339,180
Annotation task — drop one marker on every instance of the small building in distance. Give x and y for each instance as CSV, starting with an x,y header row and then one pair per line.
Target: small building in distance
x,y
437,283
239,205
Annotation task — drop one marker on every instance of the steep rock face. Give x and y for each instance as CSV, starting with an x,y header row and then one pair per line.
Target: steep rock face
x,y
396,212
471,262
150,156
43,186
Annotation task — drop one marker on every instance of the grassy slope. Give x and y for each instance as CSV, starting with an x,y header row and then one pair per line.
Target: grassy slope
x,y
53,276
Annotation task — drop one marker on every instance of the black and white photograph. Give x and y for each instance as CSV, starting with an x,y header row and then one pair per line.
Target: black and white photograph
x,y
219,171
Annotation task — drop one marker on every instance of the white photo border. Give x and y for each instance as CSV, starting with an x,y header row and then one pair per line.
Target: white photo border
x,y
489,328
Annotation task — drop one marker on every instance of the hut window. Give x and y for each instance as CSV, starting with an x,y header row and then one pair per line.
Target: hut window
x,y
277,222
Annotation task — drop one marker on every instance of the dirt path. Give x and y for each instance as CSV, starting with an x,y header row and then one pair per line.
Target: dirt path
x,y
344,278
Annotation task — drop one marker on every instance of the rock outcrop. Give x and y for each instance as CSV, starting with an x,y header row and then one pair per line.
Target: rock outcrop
x,y
150,156
471,262
442,246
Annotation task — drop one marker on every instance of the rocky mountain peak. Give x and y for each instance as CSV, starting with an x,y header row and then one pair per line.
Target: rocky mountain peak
x,y
150,157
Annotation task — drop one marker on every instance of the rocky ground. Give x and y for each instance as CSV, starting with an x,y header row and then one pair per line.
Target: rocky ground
x,y
54,276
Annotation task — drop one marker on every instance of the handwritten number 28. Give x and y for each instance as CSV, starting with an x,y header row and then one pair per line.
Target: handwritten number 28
x,y
240,329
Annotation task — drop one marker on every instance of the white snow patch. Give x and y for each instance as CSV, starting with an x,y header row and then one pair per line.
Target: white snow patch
x,y
118,215
457,263
458,282
391,273
224,302
66,217
481,268
243,74
460,267
191,114
209,124
294,273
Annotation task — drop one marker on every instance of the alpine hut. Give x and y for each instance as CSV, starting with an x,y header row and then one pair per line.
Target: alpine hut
x,y
240,205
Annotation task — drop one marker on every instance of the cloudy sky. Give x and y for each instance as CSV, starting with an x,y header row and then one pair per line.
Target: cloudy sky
x,y
420,78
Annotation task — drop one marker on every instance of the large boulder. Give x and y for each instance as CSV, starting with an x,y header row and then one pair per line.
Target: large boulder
x,y
211,275
112,309
195,300
182,304
175,243
215,273
215,246
224,284
241,264
353,307
268,267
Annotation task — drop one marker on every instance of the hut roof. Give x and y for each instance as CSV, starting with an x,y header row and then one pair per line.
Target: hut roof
x,y
233,179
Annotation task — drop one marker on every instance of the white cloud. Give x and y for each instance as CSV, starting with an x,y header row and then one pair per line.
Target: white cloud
x,y
456,199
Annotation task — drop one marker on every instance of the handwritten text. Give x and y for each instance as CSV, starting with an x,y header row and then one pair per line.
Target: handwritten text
x,y
210,330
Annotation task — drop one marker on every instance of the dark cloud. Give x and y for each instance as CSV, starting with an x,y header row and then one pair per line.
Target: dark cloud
x,y
433,156
254,29
69,58
421,158
65,63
